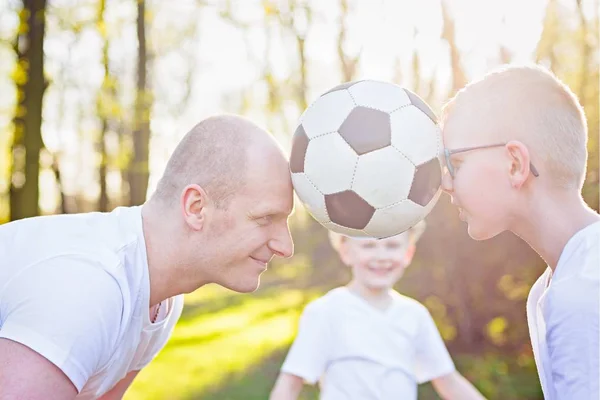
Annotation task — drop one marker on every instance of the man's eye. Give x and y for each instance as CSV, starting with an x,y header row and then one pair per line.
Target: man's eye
x,y
262,221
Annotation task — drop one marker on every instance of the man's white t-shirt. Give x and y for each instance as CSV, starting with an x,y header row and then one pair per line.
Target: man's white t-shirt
x,y
360,352
75,289
563,314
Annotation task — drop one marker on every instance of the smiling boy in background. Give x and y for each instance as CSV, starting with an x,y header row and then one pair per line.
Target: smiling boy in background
x,y
367,341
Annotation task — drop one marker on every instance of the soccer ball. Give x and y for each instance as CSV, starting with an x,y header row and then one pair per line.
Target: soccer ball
x,y
366,159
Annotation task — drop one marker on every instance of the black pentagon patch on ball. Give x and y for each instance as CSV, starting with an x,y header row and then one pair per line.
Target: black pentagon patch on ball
x,y
299,146
426,182
421,105
366,130
348,209
343,86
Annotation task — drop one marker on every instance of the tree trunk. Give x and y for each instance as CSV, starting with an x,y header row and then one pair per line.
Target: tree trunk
x,y
348,63
103,112
458,76
27,142
139,171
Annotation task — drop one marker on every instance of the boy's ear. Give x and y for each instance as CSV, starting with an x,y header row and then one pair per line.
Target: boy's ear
x,y
519,169
344,254
410,253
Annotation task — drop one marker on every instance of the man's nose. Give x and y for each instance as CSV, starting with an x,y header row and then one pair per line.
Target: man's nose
x,y
282,244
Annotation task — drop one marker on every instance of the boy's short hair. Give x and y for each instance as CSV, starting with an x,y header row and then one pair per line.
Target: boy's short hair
x,y
530,104
414,234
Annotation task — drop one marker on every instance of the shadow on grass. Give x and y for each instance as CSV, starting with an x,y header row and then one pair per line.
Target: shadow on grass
x,y
228,300
255,383
208,337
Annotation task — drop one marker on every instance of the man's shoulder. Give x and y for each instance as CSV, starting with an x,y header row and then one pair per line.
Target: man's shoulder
x,y
95,236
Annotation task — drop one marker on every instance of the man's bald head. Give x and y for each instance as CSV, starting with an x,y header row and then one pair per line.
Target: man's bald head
x,y
215,155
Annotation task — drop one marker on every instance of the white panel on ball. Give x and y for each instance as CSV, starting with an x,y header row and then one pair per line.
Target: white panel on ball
x,y
379,95
343,230
415,135
383,177
327,113
329,163
312,199
391,221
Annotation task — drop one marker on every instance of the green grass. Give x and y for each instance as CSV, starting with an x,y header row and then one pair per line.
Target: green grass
x,y
210,346
229,346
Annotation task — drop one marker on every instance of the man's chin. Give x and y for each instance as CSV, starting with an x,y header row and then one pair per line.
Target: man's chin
x,y
246,286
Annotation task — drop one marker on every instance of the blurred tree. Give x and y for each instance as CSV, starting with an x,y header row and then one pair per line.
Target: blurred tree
x,y
139,168
348,63
459,79
103,106
569,46
31,84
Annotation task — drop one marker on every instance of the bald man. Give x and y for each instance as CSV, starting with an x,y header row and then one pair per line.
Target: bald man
x,y
88,300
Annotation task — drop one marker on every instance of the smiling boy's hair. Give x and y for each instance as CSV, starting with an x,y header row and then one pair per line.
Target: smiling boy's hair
x,y
414,234
530,104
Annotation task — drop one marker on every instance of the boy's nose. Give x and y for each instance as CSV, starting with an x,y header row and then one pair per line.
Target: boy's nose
x,y
447,183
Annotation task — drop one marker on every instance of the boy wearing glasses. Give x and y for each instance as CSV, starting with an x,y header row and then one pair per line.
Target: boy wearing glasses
x,y
516,158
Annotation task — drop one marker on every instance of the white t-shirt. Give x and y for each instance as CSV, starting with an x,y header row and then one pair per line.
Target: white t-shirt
x,y
75,288
360,352
563,314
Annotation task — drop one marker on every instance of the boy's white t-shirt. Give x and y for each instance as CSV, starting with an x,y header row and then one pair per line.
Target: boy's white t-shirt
x,y
563,314
75,289
360,352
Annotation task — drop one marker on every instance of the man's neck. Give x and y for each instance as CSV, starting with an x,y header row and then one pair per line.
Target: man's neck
x,y
162,268
168,263
549,223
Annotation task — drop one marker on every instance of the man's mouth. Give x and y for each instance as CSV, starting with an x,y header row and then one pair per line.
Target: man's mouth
x,y
261,261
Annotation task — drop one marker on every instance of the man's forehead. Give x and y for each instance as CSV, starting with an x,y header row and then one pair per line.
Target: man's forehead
x,y
267,200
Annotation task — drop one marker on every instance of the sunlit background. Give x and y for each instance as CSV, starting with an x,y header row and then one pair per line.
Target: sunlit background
x,y
124,80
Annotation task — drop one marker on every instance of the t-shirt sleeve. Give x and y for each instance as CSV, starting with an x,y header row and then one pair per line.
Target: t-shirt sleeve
x,y
572,316
308,355
68,310
432,358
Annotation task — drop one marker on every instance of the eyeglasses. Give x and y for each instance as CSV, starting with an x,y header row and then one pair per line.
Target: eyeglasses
x,y
448,153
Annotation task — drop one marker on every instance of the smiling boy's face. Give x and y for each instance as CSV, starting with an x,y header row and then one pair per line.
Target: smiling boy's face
x,y
377,264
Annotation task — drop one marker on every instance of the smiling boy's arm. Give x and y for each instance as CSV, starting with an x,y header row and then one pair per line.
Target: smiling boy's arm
x,y
287,387
455,386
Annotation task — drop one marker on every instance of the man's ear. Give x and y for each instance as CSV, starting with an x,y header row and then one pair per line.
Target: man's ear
x,y
194,202
519,169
